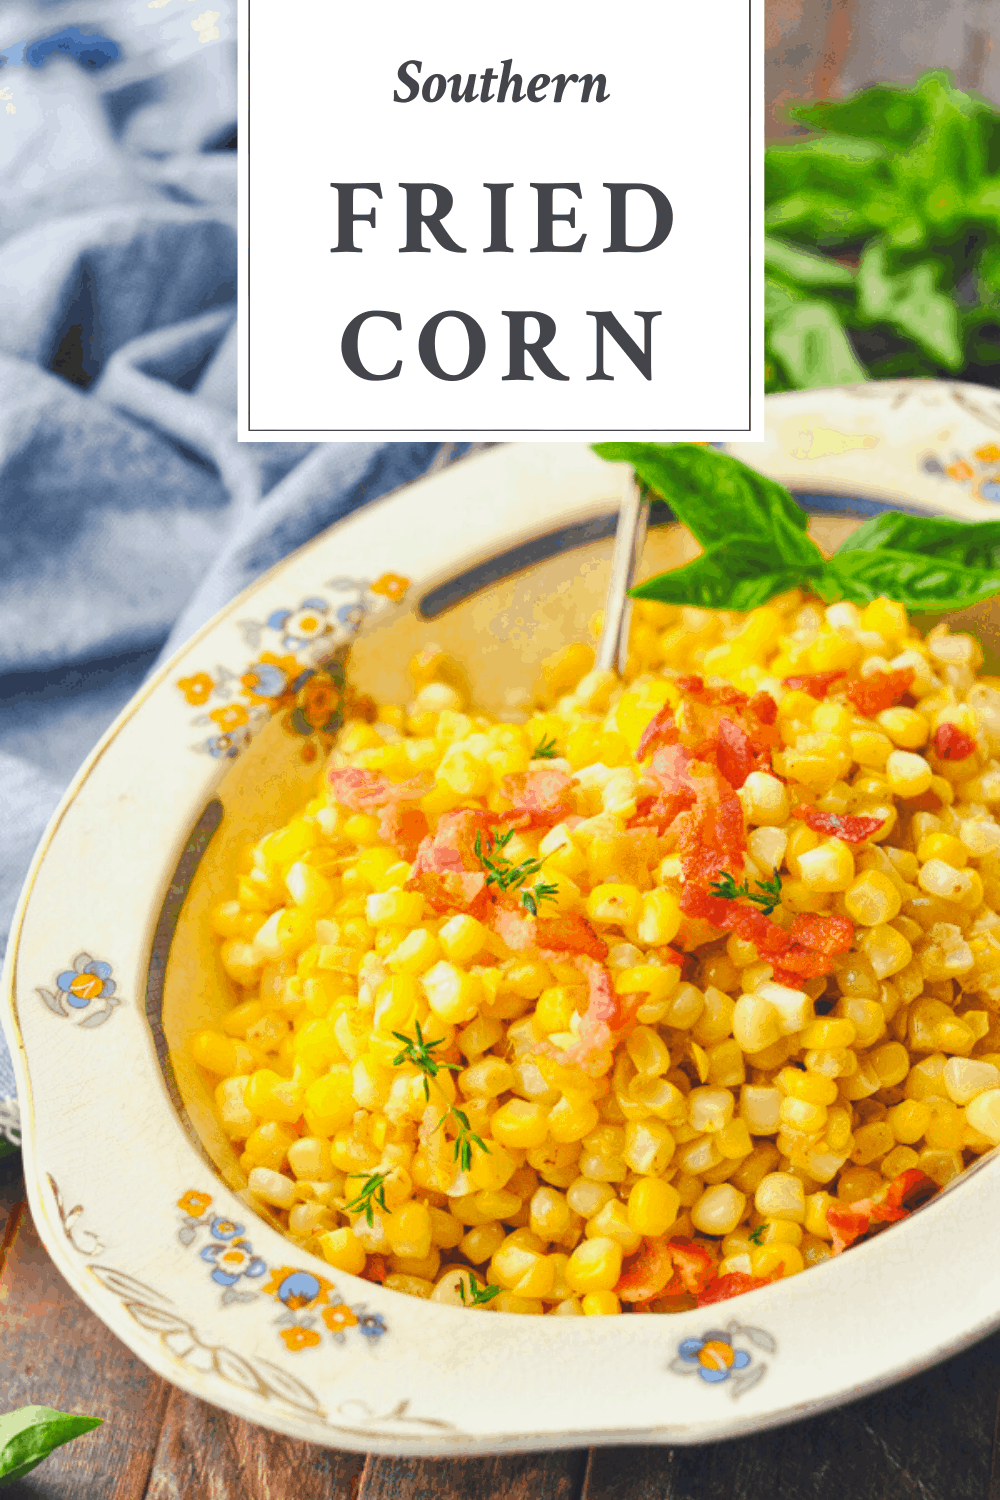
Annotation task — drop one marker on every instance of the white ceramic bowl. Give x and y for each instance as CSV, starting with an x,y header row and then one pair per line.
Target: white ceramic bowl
x,y
137,1195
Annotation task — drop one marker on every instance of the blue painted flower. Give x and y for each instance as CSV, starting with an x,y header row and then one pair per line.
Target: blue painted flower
x,y
86,981
232,1258
990,489
372,1325
300,626
299,1289
714,1355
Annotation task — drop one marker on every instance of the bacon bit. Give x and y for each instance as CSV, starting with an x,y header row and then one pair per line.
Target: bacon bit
x,y
658,733
849,1221
567,933
694,1268
710,836
817,684
406,827
735,753
764,706
452,890
852,829
453,846
733,1284
824,934
647,1274
952,743
539,797
882,690
600,1023
375,1269
371,791
805,951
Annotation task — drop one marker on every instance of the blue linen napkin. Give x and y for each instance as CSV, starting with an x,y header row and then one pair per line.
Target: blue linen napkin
x,y
128,511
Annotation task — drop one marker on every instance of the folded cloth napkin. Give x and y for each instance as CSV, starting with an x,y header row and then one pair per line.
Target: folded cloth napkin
x,y
128,511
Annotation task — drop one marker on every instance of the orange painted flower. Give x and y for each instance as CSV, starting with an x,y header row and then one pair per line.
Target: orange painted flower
x,y
196,689
270,676
299,1338
961,470
392,585
194,1204
318,700
339,1318
86,986
233,716
297,1288
988,454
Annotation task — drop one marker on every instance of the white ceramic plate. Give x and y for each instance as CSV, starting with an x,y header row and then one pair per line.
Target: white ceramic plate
x,y
137,1197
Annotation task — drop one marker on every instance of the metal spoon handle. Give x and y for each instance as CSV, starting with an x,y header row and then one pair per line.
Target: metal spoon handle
x,y
630,537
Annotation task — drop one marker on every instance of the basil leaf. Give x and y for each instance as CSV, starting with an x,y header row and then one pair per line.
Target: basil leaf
x,y
7,1148
883,113
810,342
802,268
818,216
720,499
911,304
918,581
738,575
29,1435
973,544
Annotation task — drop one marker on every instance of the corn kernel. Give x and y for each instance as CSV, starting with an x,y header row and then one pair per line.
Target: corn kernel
x,y
520,1122
828,868
983,1114
600,1304
719,1209
595,1265
780,1196
617,904
964,1078
908,775
756,1023
653,1206
872,898
784,1259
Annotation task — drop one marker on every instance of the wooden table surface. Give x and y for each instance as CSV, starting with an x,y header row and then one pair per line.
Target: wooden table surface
x,y
932,1438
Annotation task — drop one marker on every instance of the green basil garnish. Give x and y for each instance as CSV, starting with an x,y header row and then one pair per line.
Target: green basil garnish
x,y
29,1435
756,546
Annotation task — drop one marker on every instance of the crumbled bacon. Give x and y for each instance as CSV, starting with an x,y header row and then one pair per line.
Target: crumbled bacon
x,y
375,1269
453,846
540,798
453,890
400,823
694,1267
952,743
764,706
658,733
710,835
606,1015
735,756
733,1284
647,1274
816,684
566,933
805,951
852,829
882,690
849,1221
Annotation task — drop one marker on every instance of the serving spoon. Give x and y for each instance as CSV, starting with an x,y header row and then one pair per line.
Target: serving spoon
x,y
630,538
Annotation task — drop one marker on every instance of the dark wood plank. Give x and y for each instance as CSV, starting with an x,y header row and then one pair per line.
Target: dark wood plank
x,y
929,1439
206,1454
526,1476
55,1352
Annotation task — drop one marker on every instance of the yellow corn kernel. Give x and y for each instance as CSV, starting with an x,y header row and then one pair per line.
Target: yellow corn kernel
x,y
522,1270
461,938
309,1158
733,1141
891,1062
271,1097
777,1232
887,950
611,1222
827,868
965,1078
907,728
726,1066
618,904
520,1122
343,1250
653,1206
570,1119
799,1115
756,1023
600,1304
908,775
870,748
785,1259
417,953
764,799
659,918
943,846
817,1206
649,1146
899,1159
828,1032
872,898
719,1209
236,1119
394,908
267,1145
408,1229
452,994
587,1197
271,1187
715,1022
760,1107
480,1243
867,1016
648,1052
557,1006
330,1099
983,1114
780,1196
709,1109
909,1120
549,1213
808,1087
595,1266
395,1002
872,1141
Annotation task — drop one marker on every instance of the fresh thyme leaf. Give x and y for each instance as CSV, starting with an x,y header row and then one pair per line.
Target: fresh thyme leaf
x,y
770,894
767,895
543,891
757,1237
463,1137
419,1052
478,1295
499,870
373,1190
545,749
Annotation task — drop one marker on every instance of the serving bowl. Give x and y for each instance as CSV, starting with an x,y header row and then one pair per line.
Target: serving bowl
x,y
138,1195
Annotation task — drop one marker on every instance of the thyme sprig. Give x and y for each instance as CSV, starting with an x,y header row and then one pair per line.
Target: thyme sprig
x,y
545,749
543,891
499,870
767,895
418,1051
478,1295
372,1191
463,1137
757,1237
